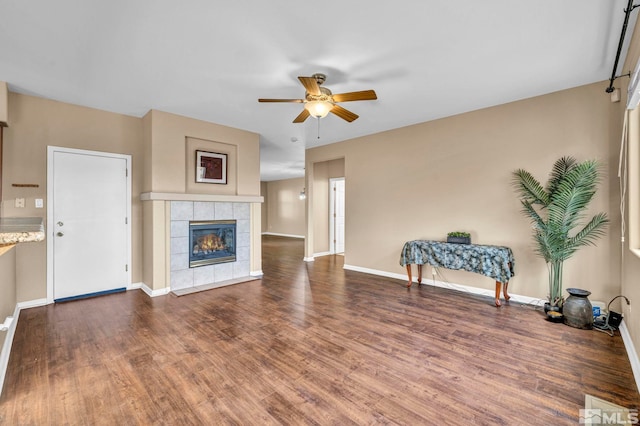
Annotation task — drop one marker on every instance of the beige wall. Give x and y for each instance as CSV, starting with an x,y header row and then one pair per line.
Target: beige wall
x,y
284,208
4,103
422,181
631,264
36,123
174,140
170,144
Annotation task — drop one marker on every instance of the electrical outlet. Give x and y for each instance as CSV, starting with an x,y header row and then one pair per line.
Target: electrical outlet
x,y
19,203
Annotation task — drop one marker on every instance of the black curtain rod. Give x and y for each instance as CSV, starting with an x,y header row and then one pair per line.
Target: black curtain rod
x,y
627,12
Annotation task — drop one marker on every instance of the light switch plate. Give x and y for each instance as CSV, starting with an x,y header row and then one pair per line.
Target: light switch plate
x,y
39,203
19,202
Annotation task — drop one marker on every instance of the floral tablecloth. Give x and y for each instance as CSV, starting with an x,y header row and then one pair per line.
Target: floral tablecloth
x,y
496,262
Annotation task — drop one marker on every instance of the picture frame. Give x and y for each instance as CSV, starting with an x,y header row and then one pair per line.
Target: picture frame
x,y
211,167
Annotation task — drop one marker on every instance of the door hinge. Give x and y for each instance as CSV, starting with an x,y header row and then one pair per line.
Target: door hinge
x,y
126,172
126,268
126,220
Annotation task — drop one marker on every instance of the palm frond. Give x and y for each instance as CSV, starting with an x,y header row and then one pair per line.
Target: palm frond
x,y
572,195
589,234
532,213
558,171
543,248
529,188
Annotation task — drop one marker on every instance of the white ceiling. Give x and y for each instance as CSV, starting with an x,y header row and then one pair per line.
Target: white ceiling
x,y
212,59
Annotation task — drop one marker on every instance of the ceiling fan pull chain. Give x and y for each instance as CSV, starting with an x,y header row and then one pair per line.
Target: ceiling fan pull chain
x,y
318,118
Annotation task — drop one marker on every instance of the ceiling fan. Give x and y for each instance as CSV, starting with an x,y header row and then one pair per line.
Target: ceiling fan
x,y
319,101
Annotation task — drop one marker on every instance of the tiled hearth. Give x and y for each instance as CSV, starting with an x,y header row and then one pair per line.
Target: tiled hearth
x,y
182,277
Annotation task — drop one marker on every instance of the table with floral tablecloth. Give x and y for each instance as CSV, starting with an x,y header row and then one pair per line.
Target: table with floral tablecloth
x,y
496,262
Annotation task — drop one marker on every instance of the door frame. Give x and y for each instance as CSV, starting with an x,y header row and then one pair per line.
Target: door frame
x,y
332,210
50,208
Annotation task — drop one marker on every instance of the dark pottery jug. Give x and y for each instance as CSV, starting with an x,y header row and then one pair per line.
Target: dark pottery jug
x,y
577,309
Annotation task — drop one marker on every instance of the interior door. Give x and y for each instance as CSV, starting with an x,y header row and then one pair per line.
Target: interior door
x,y
89,224
337,215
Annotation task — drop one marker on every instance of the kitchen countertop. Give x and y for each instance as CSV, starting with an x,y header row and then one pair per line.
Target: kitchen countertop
x,y
21,230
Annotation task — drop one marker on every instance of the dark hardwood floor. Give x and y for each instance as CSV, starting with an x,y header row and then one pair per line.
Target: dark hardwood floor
x,y
308,344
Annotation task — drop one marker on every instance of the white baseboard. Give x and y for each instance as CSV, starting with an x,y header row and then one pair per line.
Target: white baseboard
x,y
155,293
8,339
308,259
134,286
283,235
322,253
376,272
32,304
256,273
6,346
451,286
631,352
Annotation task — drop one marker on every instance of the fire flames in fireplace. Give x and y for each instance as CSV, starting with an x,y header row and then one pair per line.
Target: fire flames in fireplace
x,y
208,243
212,242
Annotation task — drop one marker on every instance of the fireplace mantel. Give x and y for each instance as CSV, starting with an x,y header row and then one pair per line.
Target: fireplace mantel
x,y
172,196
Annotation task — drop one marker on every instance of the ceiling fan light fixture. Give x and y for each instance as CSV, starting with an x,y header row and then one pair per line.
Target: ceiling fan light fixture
x,y
318,109
319,101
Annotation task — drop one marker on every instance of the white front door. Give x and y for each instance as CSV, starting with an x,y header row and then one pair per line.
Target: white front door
x,y
336,215
88,225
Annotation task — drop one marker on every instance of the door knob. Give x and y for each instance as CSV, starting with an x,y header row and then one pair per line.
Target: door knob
x,y
60,223
59,234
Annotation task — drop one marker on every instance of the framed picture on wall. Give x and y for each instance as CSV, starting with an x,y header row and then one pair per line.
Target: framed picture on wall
x,y
211,167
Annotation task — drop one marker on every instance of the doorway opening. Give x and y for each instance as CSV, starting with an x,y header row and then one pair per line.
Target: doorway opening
x,y
336,215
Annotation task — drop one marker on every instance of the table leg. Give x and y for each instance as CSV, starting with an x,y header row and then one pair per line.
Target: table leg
x,y
504,291
409,274
419,274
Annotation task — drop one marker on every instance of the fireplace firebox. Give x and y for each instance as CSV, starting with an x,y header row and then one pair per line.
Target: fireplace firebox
x,y
211,242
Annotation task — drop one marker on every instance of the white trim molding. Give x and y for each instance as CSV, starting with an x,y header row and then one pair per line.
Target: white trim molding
x,y
451,286
172,196
8,338
134,286
155,293
308,259
32,304
6,346
631,352
256,273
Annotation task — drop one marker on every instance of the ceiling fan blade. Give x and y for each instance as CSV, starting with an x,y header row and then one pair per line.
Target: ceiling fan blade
x,y
311,85
299,101
345,114
364,95
302,116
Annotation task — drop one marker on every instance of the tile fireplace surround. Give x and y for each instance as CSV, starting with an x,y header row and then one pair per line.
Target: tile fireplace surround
x,y
183,277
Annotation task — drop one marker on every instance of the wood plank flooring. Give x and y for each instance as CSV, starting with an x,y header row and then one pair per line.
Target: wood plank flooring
x,y
309,344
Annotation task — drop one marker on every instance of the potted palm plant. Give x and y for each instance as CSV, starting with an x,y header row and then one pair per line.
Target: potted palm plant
x,y
557,211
